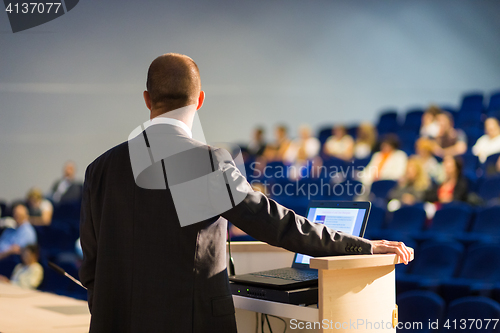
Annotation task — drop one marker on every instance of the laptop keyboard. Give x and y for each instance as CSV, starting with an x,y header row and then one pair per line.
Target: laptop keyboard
x,y
289,274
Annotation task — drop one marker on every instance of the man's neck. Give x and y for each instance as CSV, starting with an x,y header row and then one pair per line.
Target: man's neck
x,y
184,114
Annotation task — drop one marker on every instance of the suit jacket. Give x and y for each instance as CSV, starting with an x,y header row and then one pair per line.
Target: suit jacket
x,y
146,273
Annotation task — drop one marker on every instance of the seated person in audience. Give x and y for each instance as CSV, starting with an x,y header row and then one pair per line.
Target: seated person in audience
x,y
412,186
29,274
366,139
304,148
387,164
276,151
430,124
450,141
340,144
40,209
434,169
66,189
302,153
454,186
489,143
12,240
257,146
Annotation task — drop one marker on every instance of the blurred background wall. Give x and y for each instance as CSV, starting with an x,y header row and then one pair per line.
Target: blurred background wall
x,y
72,88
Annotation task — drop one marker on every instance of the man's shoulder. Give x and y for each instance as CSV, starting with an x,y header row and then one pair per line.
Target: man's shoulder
x,y
118,150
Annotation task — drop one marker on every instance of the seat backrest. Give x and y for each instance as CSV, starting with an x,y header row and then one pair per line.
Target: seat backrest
x,y
489,166
388,122
437,258
481,262
376,220
487,221
490,188
419,306
477,310
472,102
494,104
408,219
452,219
413,119
381,188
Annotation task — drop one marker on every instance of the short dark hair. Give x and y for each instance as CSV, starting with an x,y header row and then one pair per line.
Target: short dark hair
x,y
391,139
33,248
173,81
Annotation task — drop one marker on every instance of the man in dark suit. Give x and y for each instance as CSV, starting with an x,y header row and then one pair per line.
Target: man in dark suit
x,y
146,273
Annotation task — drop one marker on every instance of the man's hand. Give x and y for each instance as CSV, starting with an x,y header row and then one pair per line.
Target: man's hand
x,y
383,246
4,279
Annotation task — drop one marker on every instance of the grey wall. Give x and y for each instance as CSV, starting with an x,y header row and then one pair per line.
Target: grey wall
x,y
72,88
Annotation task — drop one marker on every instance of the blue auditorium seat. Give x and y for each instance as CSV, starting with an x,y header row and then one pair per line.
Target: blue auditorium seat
x,y
413,120
407,220
490,188
485,227
3,208
388,122
376,222
324,133
489,166
380,188
7,264
494,104
480,270
476,311
451,220
471,110
419,306
435,260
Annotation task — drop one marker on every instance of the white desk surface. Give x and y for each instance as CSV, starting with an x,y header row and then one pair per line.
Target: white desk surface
x,y
32,311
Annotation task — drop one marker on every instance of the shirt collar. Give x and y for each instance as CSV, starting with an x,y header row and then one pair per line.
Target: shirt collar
x,y
165,119
173,122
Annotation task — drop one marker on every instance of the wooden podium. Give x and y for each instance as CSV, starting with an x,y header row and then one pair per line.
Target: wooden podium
x,y
356,294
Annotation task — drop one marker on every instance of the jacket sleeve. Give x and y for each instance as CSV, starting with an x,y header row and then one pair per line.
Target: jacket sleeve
x,y
88,241
268,221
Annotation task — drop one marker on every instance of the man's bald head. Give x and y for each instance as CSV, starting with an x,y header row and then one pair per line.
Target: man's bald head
x,y
173,81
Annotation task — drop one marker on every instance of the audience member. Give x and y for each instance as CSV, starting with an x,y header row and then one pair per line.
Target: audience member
x,y
66,189
276,151
489,143
29,274
304,148
257,145
340,144
12,240
430,124
40,209
449,141
387,164
424,148
366,139
412,186
454,186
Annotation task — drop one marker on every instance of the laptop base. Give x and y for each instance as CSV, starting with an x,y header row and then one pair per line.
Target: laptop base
x,y
305,296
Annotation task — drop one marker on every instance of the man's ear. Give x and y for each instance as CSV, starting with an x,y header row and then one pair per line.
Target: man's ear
x,y
147,99
201,99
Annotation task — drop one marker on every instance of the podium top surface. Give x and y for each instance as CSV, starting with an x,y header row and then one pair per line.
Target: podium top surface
x,y
355,261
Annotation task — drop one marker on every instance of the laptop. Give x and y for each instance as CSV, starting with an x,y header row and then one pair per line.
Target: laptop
x,y
346,216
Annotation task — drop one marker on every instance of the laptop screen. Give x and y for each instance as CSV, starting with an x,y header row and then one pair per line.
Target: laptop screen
x,y
349,220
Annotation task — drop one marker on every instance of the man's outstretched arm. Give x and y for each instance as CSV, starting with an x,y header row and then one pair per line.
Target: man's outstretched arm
x,y
266,220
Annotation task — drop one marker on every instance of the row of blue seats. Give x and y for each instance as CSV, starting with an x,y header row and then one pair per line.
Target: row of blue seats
x,y
455,220
424,312
447,267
